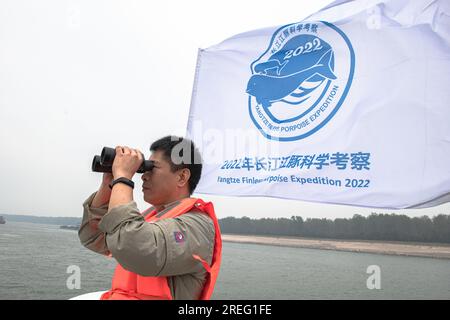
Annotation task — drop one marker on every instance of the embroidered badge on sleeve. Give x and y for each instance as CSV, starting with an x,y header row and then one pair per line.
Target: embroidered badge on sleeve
x,y
179,237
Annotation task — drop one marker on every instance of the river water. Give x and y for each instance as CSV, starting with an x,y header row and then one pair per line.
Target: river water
x,y
36,261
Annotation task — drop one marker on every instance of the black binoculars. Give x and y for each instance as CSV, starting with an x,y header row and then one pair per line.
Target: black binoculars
x,y
104,162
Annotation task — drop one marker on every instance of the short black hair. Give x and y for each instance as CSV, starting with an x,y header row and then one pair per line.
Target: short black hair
x,y
174,150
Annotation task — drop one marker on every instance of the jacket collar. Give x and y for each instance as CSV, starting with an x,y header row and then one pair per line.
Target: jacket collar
x,y
165,207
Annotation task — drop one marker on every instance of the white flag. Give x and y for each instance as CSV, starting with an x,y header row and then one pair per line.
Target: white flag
x,y
350,106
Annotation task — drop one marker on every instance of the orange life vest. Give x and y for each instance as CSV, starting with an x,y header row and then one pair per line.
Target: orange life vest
x,y
127,285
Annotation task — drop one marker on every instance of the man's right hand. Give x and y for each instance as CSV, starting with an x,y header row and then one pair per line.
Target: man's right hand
x,y
104,193
107,179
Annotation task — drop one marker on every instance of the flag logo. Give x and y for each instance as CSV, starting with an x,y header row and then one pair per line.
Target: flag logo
x,y
298,84
179,237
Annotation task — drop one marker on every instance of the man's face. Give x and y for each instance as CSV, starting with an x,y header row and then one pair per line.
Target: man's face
x,y
159,185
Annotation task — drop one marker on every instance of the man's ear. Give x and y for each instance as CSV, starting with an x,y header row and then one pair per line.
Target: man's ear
x,y
183,177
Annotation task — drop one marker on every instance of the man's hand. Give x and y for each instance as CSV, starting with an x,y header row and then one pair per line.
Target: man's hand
x,y
107,179
126,162
104,192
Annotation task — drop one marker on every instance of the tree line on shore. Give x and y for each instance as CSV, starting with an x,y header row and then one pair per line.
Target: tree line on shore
x,y
386,227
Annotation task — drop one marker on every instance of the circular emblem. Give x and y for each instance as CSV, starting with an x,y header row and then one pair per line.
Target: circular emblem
x,y
300,82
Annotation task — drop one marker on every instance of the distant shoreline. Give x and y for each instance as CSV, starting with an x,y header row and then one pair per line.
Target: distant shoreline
x,y
427,250
399,248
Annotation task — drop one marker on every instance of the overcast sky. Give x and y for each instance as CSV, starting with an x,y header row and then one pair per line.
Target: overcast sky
x,y
79,75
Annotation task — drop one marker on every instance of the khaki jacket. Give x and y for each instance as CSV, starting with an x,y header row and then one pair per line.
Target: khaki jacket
x,y
151,249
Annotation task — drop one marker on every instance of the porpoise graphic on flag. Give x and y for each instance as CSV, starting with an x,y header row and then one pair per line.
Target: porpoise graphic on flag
x,y
269,88
296,74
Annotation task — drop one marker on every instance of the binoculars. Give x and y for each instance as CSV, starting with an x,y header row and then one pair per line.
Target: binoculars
x,y
104,162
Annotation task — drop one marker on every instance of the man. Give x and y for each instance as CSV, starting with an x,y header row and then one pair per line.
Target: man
x,y
170,251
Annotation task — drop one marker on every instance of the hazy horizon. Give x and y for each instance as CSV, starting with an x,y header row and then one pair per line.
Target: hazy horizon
x,y
364,212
